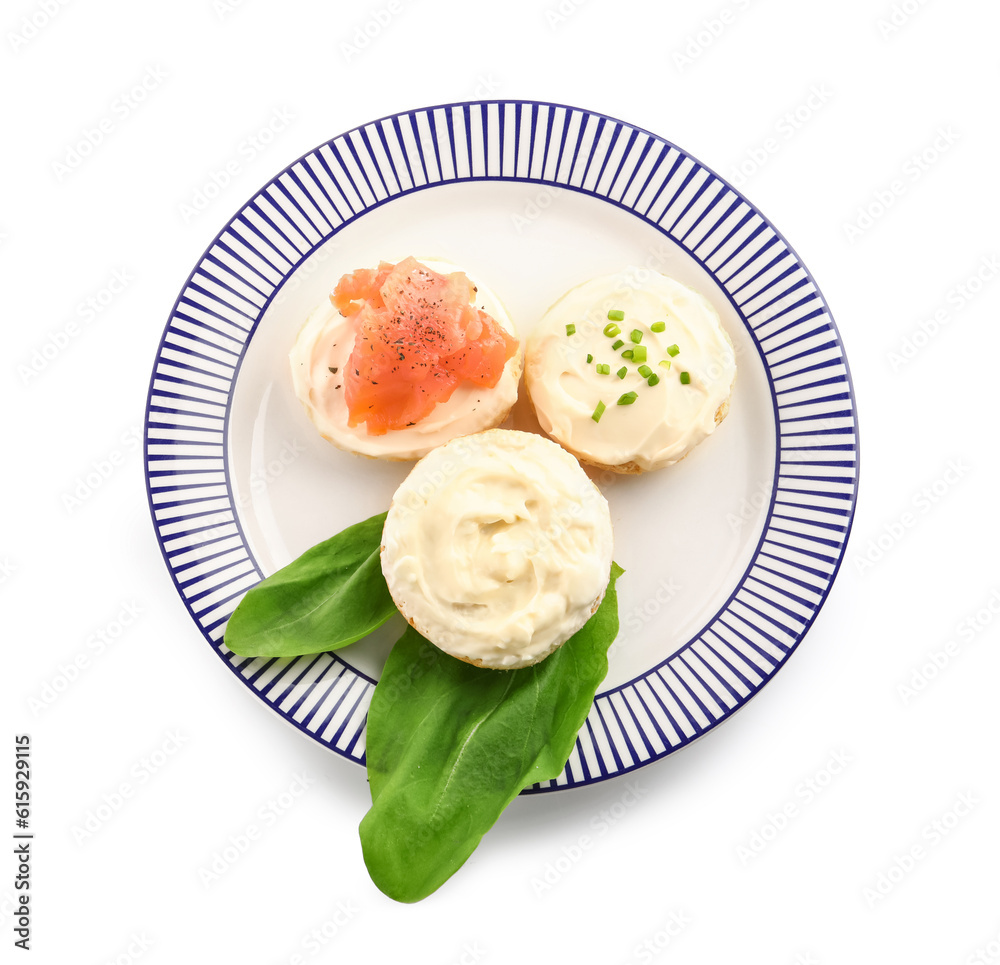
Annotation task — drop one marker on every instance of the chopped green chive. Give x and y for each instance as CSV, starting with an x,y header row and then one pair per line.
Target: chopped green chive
x,y
627,354
658,326
571,330
622,372
645,371
618,345
635,335
590,358
611,330
653,379
639,353
603,368
685,378
628,398
665,363
616,315
673,350
598,412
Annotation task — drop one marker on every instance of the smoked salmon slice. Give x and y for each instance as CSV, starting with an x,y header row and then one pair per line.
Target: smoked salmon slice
x,y
418,337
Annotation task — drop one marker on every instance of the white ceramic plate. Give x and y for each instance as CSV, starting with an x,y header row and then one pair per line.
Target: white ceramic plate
x,y
729,555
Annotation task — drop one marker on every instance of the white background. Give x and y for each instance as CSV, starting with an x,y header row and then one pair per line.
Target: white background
x,y
719,853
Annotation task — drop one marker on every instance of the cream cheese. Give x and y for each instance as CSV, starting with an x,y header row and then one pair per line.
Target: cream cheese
x,y
497,547
320,355
667,419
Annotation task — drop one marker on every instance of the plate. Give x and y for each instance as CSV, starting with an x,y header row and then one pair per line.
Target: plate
x,y
729,555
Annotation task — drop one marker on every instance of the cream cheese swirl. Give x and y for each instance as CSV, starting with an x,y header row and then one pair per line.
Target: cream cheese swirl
x,y
667,419
497,547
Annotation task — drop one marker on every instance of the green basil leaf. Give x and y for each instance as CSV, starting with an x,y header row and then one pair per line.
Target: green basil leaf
x,y
332,595
450,745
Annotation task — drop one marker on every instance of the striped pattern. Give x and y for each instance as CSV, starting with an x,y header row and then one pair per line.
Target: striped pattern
x,y
801,548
